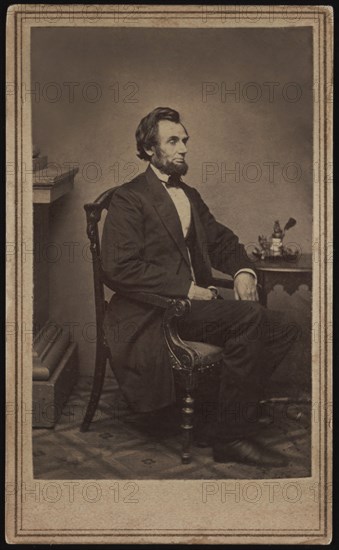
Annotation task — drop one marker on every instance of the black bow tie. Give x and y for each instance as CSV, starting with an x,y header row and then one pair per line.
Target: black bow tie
x,y
173,181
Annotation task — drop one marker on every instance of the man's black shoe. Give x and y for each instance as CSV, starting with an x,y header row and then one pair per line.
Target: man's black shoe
x,y
206,437
246,451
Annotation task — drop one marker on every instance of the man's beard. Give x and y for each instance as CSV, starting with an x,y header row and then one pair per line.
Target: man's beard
x,y
168,167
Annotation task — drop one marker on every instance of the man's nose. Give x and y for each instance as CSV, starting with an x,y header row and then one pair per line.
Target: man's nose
x,y
182,148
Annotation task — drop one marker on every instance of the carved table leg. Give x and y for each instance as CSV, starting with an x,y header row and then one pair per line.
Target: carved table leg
x,y
187,426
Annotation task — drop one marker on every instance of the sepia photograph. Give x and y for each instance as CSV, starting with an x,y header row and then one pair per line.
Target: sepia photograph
x,y
172,167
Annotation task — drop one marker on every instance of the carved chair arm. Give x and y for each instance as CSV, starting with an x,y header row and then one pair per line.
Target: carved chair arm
x,y
181,355
144,297
152,299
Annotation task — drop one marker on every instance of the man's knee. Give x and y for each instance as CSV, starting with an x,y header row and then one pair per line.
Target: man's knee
x,y
264,323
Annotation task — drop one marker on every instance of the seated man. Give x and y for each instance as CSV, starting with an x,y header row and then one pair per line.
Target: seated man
x,y
160,237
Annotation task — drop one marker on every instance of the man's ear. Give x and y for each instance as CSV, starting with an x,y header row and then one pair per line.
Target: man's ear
x,y
150,151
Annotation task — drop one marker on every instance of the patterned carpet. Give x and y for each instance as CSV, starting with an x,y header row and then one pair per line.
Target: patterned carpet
x,y
123,445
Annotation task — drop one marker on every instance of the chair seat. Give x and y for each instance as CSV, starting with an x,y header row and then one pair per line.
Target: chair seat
x,y
208,354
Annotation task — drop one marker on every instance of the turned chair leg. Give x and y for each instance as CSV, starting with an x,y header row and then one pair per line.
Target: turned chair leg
x,y
187,427
98,381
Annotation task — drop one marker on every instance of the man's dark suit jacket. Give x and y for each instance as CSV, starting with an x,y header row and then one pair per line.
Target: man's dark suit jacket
x,y
143,250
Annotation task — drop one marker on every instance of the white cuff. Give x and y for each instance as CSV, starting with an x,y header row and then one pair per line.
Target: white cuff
x,y
247,270
214,290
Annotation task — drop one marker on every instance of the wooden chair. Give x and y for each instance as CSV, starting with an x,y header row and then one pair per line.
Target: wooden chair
x,y
188,359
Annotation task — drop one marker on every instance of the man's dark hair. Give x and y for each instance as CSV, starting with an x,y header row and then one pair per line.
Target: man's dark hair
x,y
147,131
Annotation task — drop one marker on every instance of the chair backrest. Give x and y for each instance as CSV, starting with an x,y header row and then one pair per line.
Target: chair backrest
x,y
93,216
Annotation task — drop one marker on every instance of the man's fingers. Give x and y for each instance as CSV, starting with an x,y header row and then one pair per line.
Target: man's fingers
x,y
249,294
246,292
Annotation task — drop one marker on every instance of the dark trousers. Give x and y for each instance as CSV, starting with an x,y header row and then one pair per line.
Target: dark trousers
x,y
254,340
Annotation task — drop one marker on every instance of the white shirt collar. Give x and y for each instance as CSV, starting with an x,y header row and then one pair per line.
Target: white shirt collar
x,y
162,177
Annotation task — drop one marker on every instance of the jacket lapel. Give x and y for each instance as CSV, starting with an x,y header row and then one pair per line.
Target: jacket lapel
x,y
166,211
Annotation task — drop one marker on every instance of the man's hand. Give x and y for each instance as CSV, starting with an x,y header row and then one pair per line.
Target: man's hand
x,y
245,287
200,293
